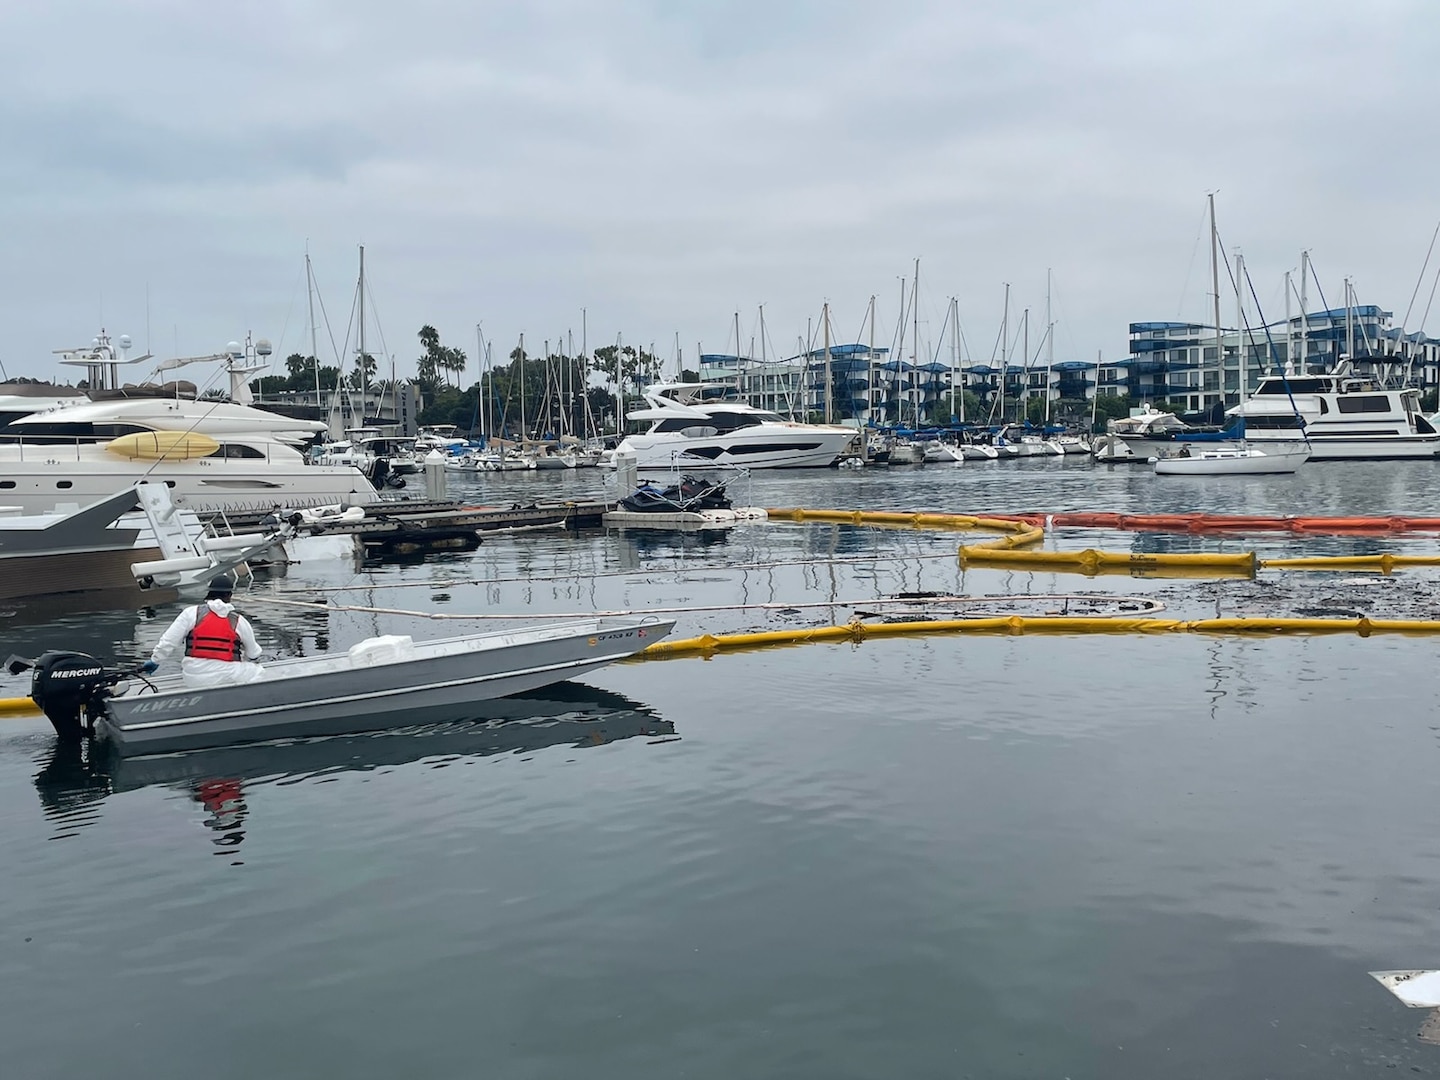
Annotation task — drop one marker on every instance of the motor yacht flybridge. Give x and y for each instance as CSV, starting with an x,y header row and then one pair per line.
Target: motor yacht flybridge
x,y
689,430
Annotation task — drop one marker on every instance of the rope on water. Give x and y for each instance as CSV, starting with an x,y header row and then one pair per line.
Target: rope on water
x,y
1134,606
705,568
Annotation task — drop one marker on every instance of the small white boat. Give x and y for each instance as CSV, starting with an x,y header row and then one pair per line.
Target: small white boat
x,y
943,453
379,683
1223,461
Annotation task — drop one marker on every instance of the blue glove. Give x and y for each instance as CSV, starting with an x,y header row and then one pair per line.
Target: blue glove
x,y
149,667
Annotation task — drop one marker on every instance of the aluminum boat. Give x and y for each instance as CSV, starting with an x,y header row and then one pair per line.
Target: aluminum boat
x,y
379,683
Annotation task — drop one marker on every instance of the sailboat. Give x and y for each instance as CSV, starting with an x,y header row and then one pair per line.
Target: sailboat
x,y
1234,458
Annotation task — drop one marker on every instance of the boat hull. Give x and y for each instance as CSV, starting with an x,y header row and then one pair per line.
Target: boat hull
x,y
38,480
1260,463
749,448
1328,447
333,695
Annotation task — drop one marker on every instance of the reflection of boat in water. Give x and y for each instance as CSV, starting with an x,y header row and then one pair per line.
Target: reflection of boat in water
x,y
75,778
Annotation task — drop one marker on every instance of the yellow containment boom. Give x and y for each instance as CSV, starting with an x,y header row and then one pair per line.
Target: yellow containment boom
x,y
1019,532
1090,561
1017,625
18,706
163,445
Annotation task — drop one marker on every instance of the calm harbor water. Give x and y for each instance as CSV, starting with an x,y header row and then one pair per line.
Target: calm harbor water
x,y
942,857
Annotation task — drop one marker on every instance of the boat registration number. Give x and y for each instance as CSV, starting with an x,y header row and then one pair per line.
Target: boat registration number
x,y
614,636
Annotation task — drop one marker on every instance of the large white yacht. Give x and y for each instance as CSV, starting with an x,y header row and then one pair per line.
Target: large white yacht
x,y
244,458
213,454
1345,415
689,430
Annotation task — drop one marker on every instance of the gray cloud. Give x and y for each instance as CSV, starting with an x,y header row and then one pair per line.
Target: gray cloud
x,y
665,165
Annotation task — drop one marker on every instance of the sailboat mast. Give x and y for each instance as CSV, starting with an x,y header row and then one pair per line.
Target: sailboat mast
x,y
1240,322
1004,349
870,364
915,339
1289,329
954,354
548,390
1215,286
1024,398
310,298
520,363
959,367
364,375
619,391
1349,322
480,363
900,360
1304,312
829,388
737,353
1095,400
1049,345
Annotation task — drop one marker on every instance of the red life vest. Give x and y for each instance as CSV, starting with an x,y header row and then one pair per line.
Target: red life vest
x,y
214,638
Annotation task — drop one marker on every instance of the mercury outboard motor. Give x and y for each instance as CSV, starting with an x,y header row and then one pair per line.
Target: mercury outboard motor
x,y
66,685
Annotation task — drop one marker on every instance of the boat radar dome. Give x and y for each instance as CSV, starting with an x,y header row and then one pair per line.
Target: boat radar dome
x,y
234,349
262,347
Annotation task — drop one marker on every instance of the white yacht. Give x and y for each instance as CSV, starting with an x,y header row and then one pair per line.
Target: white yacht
x,y
689,431
214,455
1346,416
1147,432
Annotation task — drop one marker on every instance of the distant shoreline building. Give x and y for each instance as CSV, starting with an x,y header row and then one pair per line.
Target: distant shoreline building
x,y
1181,363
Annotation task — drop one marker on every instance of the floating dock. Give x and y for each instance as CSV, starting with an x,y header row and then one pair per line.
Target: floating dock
x,y
683,519
402,527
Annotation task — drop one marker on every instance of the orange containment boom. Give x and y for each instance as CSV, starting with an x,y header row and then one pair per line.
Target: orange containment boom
x,y
1202,523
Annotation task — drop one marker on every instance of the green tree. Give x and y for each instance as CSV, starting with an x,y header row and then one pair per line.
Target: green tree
x,y
363,373
439,362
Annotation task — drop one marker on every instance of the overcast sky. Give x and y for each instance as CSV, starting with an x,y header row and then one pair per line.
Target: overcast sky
x,y
667,164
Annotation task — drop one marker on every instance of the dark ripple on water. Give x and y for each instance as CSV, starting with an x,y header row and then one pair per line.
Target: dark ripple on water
x,y
1021,857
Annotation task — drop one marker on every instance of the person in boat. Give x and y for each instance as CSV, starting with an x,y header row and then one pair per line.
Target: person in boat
x,y
218,642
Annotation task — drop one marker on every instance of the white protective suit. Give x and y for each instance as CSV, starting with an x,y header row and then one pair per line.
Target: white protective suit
x,y
200,672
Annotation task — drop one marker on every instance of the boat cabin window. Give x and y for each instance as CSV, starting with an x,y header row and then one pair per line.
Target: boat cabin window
x,y
1365,403
1285,422
78,431
684,424
732,421
237,450
1296,385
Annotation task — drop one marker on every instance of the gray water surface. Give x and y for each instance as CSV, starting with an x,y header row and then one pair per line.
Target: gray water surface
x,y
942,857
